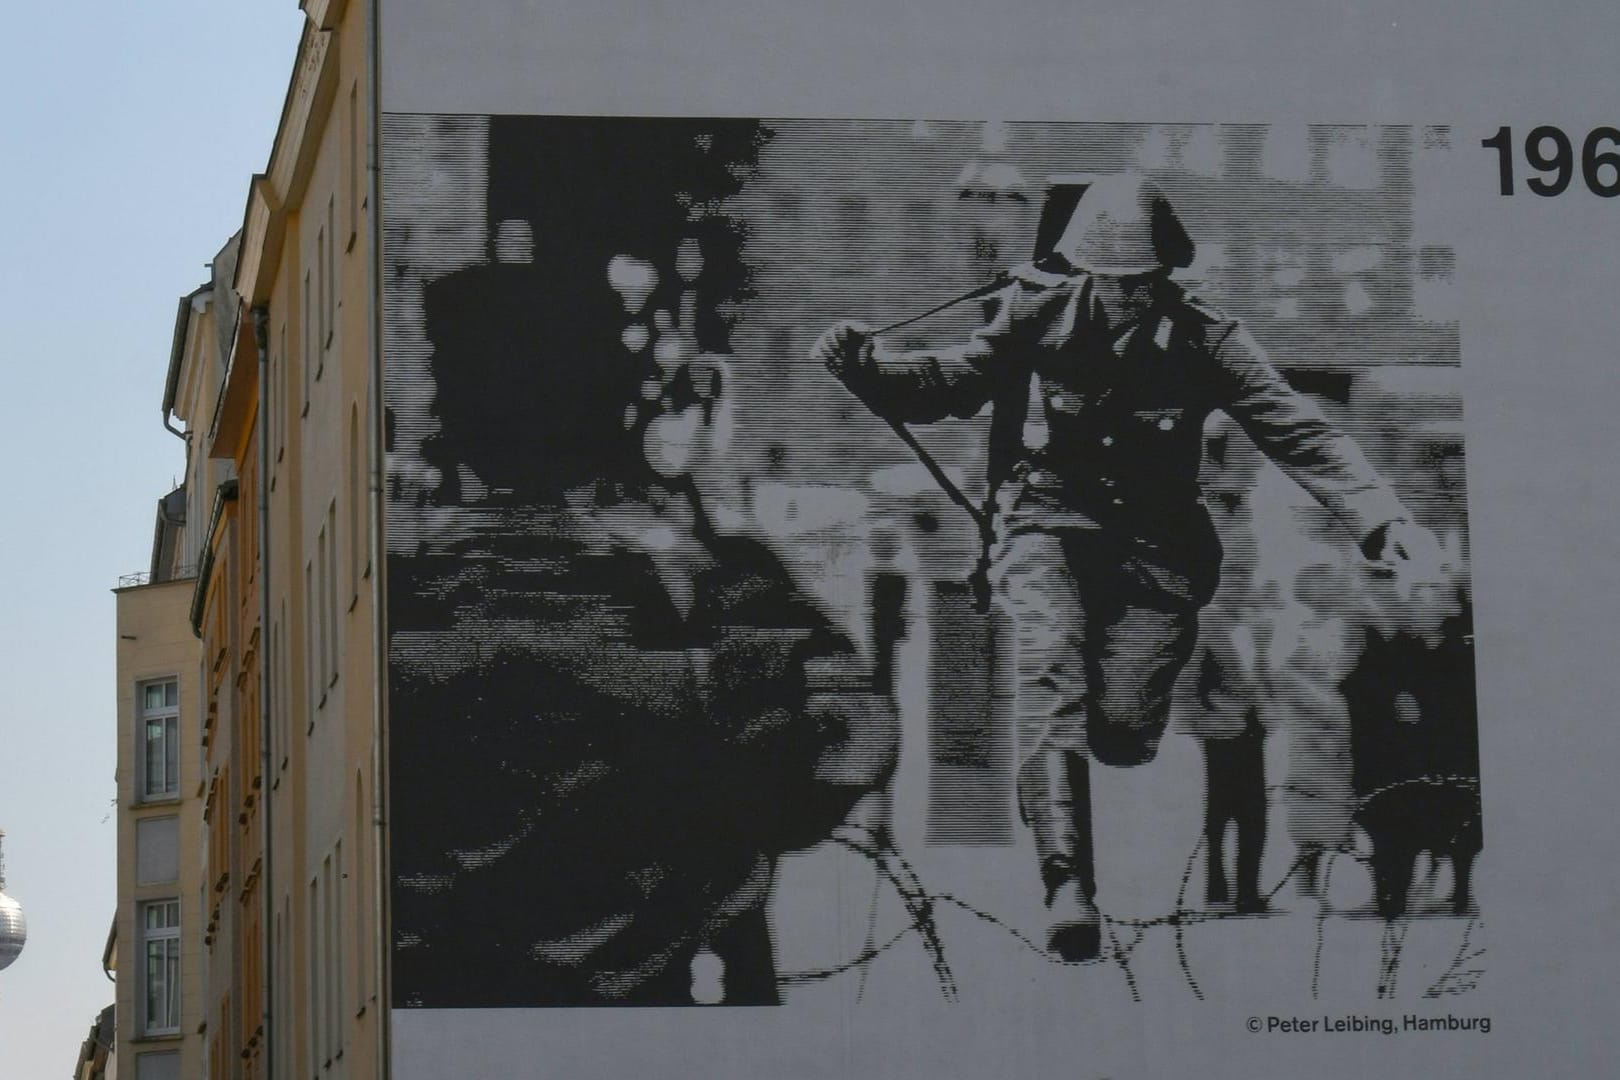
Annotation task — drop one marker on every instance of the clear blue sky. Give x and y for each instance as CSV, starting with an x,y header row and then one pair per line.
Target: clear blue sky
x,y
128,134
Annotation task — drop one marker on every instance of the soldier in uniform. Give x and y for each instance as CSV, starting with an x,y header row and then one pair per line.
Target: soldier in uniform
x,y
1102,553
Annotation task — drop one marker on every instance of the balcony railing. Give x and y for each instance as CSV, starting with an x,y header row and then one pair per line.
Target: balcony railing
x,y
144,577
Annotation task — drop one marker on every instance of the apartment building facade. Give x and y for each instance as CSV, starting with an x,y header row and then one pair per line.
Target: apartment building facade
x,y
252,950
297,421
161,899
158,941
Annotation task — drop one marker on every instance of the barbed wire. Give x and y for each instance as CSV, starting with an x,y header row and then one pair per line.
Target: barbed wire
x,y
874,845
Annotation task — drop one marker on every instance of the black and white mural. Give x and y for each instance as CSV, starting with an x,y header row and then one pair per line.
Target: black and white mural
x,y
874,560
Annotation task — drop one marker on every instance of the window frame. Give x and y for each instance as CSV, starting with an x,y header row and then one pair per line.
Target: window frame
x,y
354,166
330,298
358,566
169,934
278,414
169,715
307,359
316,1008
323,326
314,689
329,555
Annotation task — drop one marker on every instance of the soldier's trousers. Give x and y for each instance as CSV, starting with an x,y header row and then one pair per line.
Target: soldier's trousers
x,y
1097,639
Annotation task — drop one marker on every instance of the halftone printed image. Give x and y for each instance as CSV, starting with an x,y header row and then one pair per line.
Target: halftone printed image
x,y
875,561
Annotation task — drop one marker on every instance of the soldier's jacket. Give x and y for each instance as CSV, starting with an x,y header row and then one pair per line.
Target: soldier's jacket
x,y
1125,413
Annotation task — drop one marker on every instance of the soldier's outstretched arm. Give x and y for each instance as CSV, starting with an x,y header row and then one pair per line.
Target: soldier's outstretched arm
x,y
1292,431
927,384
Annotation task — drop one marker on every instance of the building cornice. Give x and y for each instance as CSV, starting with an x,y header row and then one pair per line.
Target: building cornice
x,y
292,157
304,114
177,345
325,14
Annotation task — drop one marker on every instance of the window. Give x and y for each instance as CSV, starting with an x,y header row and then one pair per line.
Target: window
x,y
278,415
307,361
250,984
331,270
278,694
270,412
278,1019
275,700
217,815
326,961
202,743
218,1061
324,326
204,956
160,967
248,524
316,1039
323,582
312,678
354,163
356,488
160,739
282,1018
282,703
330,557
249,740
334,952
361,885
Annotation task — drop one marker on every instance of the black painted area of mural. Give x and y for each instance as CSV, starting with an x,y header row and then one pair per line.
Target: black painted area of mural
x,y
522,395
578,808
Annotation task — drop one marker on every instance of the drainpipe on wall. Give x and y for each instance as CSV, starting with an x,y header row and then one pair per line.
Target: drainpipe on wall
x,y
267,1013
185,437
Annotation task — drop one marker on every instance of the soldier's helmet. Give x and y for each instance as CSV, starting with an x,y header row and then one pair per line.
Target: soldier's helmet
x,y
1124,225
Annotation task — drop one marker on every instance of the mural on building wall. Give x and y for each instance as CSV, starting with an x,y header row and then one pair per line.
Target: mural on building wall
x,y
877,558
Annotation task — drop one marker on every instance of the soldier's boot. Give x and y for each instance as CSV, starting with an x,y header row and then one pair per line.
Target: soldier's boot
x,y
1054,797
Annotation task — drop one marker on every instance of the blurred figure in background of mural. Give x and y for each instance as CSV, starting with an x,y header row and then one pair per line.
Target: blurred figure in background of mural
x,y
1315,639
1227,710
1414,742
634,712
1103,554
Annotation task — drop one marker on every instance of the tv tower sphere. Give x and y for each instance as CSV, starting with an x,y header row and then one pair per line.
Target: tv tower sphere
x,y
13,927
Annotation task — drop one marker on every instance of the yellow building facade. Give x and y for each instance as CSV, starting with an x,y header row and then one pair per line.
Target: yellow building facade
x,y
259,611
158,942
160,772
